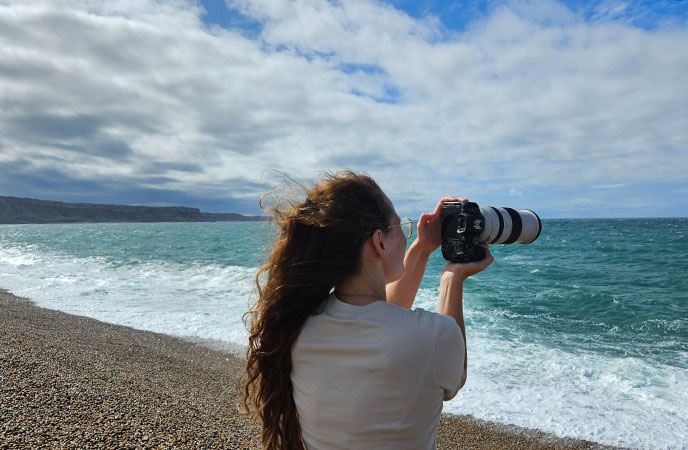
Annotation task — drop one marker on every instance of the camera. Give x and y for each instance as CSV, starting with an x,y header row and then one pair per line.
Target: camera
x,y
465,226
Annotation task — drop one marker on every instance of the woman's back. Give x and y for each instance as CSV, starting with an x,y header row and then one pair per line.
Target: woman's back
x,y
374,376
328,372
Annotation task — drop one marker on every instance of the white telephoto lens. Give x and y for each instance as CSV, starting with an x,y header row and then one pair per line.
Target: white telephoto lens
x,y
491,225
531,226
506,229
506,225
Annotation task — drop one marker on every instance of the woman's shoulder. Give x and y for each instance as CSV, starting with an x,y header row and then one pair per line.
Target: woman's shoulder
x,y
418,318
382,314
421,321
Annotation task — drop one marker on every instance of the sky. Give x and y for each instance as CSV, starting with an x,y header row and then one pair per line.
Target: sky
x,y
573,109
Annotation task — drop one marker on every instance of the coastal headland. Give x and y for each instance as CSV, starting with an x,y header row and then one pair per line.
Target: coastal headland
x,y
31,210
72,382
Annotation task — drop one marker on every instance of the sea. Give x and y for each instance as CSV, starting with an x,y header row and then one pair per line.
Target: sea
x,y
583,333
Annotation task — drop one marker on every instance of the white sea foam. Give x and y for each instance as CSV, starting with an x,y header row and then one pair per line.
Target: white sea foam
x,y
203,302
615,400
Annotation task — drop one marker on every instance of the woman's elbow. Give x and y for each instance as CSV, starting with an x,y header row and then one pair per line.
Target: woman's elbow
x,y
448,397
463,380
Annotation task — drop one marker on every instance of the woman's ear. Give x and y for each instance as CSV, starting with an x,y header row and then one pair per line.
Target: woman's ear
x,y
378,245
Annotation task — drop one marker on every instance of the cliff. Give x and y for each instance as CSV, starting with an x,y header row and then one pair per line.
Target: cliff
x,y
29,210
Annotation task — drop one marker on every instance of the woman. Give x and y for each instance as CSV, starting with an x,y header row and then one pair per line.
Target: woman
x,y
336,357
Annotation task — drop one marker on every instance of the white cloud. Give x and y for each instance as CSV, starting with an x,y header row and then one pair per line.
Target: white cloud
x,y
608,186
530,97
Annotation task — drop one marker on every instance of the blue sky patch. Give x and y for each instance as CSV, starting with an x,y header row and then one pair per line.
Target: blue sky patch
x,y
217,13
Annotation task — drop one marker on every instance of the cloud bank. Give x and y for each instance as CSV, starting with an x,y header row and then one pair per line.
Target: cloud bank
x,y
531,104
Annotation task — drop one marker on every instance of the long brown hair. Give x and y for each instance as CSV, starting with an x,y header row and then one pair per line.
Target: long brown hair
x,y
319,244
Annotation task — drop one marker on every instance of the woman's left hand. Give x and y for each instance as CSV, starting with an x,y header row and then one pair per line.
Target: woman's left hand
x,y
429,228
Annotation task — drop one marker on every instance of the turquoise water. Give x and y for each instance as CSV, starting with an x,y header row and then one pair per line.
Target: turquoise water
x,y
583,333
617,287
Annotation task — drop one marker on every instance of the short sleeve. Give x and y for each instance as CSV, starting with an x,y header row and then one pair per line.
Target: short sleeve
x,y
449,354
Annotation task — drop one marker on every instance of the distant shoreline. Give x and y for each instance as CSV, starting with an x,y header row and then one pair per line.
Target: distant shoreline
x,y
17,210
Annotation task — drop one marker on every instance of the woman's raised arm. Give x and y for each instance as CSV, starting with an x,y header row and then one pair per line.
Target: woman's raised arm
x,y
450,301
429,238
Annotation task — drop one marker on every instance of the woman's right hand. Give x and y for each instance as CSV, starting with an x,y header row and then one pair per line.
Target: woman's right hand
x,y
429,228
465,270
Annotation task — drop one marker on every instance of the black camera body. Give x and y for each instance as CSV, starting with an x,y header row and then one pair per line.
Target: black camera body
x,y
466,227
462,225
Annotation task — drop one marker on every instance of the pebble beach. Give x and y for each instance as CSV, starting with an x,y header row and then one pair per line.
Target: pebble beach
x,y
70,382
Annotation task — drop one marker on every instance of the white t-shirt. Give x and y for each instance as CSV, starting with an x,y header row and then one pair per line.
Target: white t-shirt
x,y
374,376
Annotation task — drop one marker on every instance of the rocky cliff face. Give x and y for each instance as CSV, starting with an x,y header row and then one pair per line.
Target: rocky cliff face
x,y
29,210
